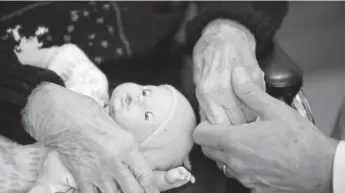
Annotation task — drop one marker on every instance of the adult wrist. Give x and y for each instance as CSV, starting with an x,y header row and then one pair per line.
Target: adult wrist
x,y
17,83
36,100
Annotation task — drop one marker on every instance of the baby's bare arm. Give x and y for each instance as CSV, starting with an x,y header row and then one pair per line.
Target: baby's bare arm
x,y
173,178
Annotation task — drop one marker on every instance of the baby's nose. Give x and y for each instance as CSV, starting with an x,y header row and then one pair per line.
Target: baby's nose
x,y
130,99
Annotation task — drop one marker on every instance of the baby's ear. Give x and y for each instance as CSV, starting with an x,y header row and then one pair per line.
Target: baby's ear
x,y
40,188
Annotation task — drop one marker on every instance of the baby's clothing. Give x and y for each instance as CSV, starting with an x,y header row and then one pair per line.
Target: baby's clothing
x,y
77,71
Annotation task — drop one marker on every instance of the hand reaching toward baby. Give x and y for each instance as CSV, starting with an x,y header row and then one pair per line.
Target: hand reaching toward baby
x,y
92,146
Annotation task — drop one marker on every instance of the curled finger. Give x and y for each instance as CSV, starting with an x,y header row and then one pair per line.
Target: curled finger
x,y
213,136
108,185
127,181
141,170
212,109
84,186
226,170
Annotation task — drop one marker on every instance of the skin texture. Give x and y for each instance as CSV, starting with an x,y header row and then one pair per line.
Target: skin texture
x,y
55,177
52,175
19,165
287,161
92,146
223,46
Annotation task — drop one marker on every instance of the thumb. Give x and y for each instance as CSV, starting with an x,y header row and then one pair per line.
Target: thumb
x,y
251,94
213,136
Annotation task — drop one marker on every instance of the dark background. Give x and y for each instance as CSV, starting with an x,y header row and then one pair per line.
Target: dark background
x,y
313,34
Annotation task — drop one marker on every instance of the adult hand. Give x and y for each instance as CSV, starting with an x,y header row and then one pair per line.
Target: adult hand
x,y
282,153
93,147
223,46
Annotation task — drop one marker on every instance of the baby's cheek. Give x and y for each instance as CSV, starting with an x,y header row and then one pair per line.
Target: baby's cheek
x,y
131,118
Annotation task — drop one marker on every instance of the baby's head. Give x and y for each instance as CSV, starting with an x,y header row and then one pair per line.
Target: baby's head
x,y
160,118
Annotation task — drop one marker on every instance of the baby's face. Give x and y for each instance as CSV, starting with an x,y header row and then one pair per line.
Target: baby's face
x,y
140,109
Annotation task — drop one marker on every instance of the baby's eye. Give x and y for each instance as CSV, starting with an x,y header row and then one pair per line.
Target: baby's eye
x,y
148,116
146,91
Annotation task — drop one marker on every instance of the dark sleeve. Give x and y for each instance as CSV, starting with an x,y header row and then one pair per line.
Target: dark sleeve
x,y
105,31
91,26
263,19
16,84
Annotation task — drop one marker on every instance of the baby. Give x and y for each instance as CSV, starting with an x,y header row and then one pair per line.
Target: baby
x,y
162,121
159,117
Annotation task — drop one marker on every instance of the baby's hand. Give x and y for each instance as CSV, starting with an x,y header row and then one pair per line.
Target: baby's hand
x,y
179,175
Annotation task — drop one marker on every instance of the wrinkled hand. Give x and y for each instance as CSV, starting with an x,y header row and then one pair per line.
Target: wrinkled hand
x,y
92,146
282,153
223,46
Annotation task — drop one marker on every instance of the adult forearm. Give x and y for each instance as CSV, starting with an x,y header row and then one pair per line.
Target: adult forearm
x,y
70,123
17,83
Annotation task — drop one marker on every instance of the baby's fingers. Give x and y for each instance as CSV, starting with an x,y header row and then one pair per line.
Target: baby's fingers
x,y
183,174
189,177
192,179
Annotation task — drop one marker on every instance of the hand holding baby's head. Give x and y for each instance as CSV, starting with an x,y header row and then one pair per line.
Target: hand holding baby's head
x,y
162,121
160,118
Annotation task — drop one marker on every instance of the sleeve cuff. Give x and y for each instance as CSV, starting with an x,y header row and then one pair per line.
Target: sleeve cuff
x,y
339,169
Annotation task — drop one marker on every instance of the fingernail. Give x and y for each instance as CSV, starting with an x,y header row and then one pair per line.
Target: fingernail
x,y
240,75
